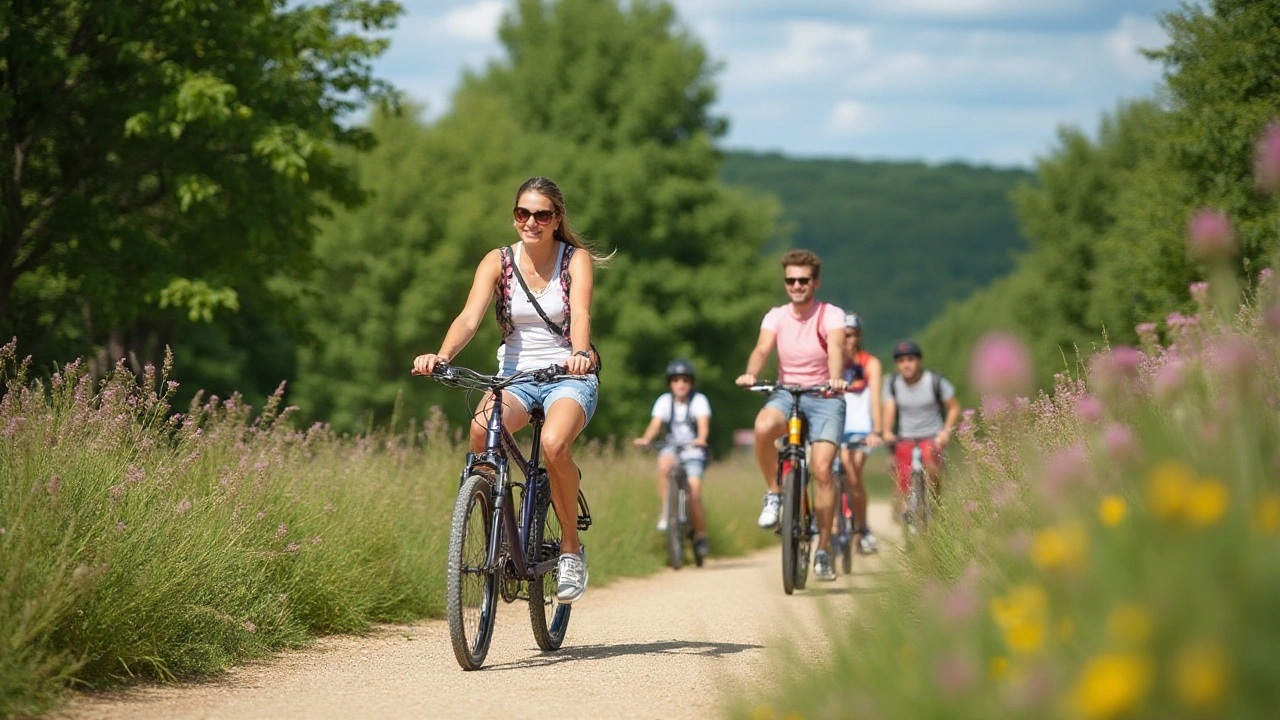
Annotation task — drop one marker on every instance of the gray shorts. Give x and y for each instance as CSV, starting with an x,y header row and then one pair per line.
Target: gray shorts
x,y
584,390
826,415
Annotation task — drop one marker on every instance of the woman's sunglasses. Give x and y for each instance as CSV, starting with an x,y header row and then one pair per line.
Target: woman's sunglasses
x,y
542,217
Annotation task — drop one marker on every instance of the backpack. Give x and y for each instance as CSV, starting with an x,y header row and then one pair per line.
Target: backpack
x,y
937,391
502,307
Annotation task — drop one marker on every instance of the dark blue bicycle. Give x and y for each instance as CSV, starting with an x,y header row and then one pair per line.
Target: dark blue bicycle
x,y
491,553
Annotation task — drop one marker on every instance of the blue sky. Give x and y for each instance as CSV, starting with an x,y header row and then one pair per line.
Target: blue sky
x,y
985,81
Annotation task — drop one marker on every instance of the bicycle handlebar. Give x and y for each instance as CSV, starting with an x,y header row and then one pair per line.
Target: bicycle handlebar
x,y
769,388
461,377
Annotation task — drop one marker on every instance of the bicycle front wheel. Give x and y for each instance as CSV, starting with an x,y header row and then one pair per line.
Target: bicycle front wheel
x,y
471,587
549,616
789,522
675,528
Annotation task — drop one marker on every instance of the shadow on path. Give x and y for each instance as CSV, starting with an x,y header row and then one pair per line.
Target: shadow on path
x,y
604,652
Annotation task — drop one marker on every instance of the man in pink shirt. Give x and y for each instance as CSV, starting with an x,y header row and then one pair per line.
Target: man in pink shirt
x,y
809,336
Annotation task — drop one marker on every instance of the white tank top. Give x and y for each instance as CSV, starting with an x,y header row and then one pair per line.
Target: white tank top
x,y
532,345
857,412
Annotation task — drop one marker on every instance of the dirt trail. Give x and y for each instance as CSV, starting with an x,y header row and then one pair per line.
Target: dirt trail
x,y
674,645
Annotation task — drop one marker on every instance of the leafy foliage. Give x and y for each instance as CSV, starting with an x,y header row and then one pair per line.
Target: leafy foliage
x,y
162,161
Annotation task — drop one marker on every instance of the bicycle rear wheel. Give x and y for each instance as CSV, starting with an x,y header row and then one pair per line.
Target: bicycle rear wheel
x,y
550,617
675,529
471,588
789,523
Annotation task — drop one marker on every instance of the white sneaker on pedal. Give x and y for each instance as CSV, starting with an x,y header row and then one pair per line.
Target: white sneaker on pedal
x,y
769,515
822,568
571,575
662,524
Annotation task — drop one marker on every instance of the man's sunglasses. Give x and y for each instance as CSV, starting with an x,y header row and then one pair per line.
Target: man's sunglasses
x,y
542,217
801,280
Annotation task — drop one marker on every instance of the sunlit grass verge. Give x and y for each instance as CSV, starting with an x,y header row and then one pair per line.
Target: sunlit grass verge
x,y
139,543
1108,551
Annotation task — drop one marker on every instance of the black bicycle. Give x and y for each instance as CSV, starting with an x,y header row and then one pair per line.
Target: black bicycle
x,y
490,553
679,512
797,522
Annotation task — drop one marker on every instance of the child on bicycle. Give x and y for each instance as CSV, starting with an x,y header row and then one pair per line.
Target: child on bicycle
x,y
687,416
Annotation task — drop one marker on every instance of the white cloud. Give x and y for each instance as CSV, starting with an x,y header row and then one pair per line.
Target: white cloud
x,y
809,51
1129,37
848,118
475,23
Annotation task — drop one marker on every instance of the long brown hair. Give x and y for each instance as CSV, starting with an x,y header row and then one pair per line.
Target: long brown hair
x,y
547,188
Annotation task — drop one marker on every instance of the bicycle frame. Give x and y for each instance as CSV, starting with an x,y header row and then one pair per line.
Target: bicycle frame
x,y
501,451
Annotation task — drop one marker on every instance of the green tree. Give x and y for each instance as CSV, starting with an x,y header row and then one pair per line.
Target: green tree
x,y
612,103
159,161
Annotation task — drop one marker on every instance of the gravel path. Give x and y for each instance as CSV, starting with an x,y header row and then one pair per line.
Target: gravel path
x,y
678,644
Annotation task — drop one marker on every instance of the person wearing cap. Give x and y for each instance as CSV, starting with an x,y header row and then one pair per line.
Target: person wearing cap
x,y
687,417
924,407
809,337
862,429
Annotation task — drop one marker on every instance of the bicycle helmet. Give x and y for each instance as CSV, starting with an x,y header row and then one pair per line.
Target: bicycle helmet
x,y
905,348
680,367
853,321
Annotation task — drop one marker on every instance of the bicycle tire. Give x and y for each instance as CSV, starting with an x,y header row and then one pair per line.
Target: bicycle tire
x,y
549,616
924,508
471,589
675,530
844,524
790,527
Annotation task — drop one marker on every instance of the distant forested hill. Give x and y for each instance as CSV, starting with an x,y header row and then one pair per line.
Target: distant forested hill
x,y
898,241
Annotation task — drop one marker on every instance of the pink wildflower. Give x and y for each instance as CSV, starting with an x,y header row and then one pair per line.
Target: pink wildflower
x,y
262,514
117,490
955,674
1233,359
1200,293
1210,236
120,526
1063,469
1264,277
1115,370
250,627
1147,333
1169,379
291,547
960,604
1000,365
184,506
1266,160
1089,409
316,540
54,484
282,530
134,474
1120,443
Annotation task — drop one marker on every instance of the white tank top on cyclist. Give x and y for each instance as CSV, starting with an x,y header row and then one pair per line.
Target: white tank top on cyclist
x,y
857,411
532,345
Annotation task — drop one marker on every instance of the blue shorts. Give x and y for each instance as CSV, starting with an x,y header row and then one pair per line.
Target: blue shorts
x,y
695,464
856,440
584,390
826,415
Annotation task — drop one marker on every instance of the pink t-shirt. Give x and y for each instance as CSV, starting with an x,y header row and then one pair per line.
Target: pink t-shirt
x,y
801,357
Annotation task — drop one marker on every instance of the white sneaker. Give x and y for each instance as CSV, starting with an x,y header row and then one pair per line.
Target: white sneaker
x,y
868,544
571,575
662,524
822,568
769,515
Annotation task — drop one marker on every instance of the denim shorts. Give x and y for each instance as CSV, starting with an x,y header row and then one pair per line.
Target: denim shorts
x,y
583,390
826,415
856,440
695,464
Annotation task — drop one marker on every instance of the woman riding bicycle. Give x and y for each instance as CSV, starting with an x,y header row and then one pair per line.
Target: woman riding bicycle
x,y
687,415
543,285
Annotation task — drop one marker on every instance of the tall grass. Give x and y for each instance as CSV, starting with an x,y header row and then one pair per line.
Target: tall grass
x,y
1110,550
136,542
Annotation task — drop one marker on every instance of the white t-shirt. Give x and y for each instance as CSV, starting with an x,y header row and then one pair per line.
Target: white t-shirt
x,y
533,346
682,426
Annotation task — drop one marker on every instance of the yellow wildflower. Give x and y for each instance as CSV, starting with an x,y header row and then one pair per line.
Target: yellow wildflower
x,y
1111,684
763,712
1060,548
1167,487
998,667
1112,510
1206,502
1129,624
1266,514
1200,675
1022,616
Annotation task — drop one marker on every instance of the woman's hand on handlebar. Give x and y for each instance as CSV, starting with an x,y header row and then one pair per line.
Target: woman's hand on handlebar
x,y
745,380
426,364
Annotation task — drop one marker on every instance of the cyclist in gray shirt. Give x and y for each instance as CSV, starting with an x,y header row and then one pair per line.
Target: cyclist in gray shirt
x,y
924,407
